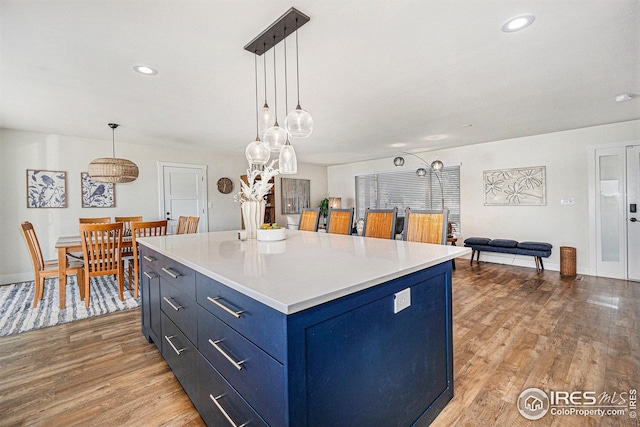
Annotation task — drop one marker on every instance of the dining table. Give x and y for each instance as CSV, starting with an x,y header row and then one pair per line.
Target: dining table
x,y
73,244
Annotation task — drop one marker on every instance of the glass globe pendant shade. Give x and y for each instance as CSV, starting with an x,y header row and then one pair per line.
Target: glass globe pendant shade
x,y
398,161
288,162
299,123
275,137
257,153
437,165
421,172
265,120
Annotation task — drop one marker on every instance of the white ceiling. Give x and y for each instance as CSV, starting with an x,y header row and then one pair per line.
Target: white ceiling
x,y
374,74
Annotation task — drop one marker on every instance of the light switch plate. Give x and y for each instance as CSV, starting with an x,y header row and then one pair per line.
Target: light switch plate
x,y
401,300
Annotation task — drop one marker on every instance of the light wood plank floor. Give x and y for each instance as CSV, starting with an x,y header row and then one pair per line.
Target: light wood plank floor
x,y
513,329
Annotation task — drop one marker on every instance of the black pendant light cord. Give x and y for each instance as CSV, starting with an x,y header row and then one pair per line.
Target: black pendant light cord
x,y
286,86
297,66
264,67
255,62
275,83
113,127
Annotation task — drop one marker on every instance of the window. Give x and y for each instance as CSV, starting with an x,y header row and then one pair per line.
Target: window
x,y
405,189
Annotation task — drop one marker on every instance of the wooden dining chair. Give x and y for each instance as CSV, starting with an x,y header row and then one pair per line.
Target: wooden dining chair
x,y
143,229
340,221
192,224
46,268
97,220
127,253
309,219
182,225
126,223
426,226
380,223
102,250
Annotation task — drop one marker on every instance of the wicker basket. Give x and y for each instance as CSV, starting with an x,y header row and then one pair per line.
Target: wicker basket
x,y
567,261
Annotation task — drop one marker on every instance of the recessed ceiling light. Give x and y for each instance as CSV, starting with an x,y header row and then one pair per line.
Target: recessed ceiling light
x,y
146,70
398,144
518,23
434,137
624,97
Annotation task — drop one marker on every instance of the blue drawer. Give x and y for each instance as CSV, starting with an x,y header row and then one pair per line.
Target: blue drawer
x,y
180,308
257,377
179,275
260,324
218,403
180,355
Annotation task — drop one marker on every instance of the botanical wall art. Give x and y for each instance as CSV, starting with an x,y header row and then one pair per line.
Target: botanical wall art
x,y
46,189
97,194
515,187
296,195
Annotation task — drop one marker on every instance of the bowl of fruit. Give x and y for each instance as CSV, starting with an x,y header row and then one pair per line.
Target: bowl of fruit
x,y
270,233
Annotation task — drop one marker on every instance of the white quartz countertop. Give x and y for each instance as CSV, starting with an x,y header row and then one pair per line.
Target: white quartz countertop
x,y
306,269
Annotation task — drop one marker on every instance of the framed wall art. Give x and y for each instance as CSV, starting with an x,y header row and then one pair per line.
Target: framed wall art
x,y
296,195
97,194
46,189
515,187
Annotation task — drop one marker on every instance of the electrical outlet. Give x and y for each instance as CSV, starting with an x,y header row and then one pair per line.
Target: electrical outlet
x,y
401,300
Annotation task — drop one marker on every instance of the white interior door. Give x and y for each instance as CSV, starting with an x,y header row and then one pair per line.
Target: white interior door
x,y
611,245
632,216
183,192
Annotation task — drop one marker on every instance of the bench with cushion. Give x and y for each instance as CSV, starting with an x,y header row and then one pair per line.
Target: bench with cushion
x,y
538,250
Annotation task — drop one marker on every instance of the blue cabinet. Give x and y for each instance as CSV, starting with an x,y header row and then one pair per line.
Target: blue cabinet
x,y
350,361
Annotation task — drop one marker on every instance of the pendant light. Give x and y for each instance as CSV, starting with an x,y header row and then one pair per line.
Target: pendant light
x,y
287,161
112,169
257,153
275,136
299,123
266,115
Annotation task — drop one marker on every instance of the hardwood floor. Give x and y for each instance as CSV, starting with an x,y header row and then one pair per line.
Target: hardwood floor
x,y
513,329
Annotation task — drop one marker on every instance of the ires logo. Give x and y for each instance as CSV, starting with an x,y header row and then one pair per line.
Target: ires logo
x,y
575,398
533,403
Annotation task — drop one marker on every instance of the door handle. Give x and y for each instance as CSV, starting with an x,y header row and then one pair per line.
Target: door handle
x,y
633,219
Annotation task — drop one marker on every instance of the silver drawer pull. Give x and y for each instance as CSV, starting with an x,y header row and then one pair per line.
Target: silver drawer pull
x,y
226,355
149,275
173,346
235,314
171,273
172,304
221,409
149,258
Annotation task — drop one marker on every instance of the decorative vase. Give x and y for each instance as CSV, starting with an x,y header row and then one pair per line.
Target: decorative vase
x,y
253,215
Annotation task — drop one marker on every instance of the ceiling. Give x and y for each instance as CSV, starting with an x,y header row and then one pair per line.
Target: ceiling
x,y
378,77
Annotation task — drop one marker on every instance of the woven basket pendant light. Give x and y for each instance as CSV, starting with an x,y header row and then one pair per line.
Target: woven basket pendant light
x,y
112,169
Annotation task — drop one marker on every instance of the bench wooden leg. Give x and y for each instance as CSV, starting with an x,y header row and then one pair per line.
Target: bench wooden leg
x,y
541,264
473,252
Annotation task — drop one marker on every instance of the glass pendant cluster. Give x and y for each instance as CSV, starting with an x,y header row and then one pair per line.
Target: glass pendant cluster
x,y
298,123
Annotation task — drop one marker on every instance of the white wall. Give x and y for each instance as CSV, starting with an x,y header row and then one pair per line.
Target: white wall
x,y
22,150
565,156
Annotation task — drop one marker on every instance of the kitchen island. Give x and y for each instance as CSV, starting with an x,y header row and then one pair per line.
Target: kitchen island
x,y
315,330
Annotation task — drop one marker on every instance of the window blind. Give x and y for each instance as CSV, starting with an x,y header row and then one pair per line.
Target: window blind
x,y
404,189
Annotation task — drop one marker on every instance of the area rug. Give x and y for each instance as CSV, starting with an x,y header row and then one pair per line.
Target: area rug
x,y
17,314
